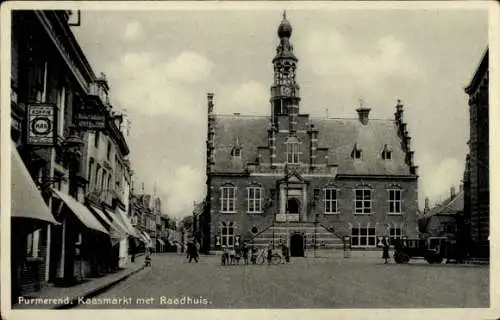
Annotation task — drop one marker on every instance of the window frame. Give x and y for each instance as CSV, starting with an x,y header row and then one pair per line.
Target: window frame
x,y
394,235
227,233
362,209
327,201
292,151
227,200
394,201
370,234
254,200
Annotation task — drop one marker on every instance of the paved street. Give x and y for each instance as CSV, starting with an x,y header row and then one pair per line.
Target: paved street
x,y
304,283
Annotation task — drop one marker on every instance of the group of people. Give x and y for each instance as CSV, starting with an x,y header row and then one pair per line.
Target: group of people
x,y
235,254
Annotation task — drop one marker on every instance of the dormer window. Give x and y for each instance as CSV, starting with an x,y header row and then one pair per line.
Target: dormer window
x,y
236,152
356,152
386,153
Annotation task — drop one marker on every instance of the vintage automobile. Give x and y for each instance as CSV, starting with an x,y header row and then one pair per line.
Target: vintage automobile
x,y
432,249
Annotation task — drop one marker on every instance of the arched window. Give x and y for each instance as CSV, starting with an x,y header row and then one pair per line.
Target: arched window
x,y
227,234
292,150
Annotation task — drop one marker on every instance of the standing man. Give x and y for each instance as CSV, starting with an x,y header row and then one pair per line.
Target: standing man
x,y
385,249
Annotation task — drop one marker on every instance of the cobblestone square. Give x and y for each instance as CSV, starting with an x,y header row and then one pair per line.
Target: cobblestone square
x,y
304,283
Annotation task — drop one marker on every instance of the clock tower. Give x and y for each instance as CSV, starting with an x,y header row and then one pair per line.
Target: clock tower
x,y
285,92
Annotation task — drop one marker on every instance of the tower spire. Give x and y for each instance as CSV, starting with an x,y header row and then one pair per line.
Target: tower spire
x,y
285,94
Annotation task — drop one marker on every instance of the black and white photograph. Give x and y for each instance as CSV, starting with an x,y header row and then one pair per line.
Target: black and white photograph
x,y
246,155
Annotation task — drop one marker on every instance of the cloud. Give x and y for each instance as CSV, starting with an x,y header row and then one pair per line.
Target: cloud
x,y
133,30
248,98
189,67
437,177
145,82
185,186
339,58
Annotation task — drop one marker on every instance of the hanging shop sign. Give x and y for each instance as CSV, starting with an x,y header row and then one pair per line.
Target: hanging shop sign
x,y
41,124
90,117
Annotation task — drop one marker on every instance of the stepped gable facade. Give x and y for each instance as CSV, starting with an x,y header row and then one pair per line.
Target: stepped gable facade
x,y
289,177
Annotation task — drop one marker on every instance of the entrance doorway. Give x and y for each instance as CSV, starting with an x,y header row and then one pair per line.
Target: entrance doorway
x,y
297,245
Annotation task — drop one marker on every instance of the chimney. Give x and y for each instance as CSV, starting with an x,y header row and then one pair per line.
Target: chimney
x,y
363,115
363,112
452,192
427,207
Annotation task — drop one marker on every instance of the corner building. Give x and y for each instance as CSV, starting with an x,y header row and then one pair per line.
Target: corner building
x,y
305,181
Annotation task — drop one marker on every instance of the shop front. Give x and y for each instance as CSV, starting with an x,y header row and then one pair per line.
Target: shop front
x,y
30,216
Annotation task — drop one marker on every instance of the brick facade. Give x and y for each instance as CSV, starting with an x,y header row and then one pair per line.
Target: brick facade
x,y
478,160
292,158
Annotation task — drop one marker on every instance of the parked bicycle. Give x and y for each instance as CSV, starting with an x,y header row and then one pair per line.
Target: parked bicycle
x,y
262,257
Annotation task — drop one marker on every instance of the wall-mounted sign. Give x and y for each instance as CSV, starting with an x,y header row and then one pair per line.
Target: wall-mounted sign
x,y
89,117
41,124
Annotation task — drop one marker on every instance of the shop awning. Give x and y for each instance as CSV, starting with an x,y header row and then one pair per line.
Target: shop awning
x,y
81,212
117,231
26,200
127,223
118,219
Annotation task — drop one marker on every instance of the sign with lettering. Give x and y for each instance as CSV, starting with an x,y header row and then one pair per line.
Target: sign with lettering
x,y
41,124
90,117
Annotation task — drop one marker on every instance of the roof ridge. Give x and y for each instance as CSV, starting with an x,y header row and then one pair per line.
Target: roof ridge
x,y
240,115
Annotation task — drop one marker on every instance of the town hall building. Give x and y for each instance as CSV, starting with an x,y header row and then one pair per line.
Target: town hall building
x,y
309,182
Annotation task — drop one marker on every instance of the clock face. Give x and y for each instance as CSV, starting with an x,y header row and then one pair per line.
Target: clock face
x,y
287,90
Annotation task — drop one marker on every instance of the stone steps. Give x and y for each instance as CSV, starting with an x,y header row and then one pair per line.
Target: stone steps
x,y
279,230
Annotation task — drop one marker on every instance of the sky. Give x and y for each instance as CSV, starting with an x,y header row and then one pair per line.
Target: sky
x,y
161,64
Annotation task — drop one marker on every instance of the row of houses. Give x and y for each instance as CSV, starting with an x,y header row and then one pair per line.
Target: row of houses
x,y
74,215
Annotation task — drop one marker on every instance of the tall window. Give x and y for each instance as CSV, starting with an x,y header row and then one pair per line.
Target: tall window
x,y
363,201
91,173
292,151
98,177
254,199
228,199
395,201
363,237
227,234
108,154
97,136
331,200
61,106
395,233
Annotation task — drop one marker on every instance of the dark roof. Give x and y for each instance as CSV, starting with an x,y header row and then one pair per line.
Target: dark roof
x,y
339,135
450,206
481,70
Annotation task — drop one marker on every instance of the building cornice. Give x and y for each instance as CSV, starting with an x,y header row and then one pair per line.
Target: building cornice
x,y
377,177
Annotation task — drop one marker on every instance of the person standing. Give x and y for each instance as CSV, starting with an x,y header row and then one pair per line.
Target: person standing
x,y
385,249
192,252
